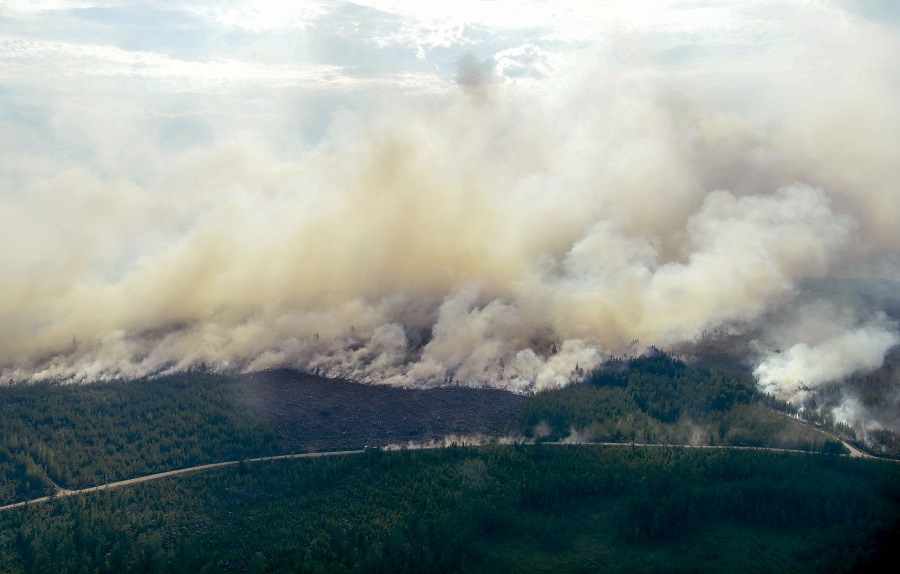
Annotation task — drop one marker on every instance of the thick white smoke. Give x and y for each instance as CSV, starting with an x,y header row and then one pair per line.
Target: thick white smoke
x,y
510,224
810,349
391,269
795,373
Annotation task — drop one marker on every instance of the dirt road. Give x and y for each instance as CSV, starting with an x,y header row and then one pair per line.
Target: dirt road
x,y
61,492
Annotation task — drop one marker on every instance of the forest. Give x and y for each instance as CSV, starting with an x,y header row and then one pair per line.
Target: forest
x,y
533,506
500,508
77,436
657,398
85,435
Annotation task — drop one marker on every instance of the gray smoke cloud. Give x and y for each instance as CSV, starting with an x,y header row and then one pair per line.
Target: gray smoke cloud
x,y
426,237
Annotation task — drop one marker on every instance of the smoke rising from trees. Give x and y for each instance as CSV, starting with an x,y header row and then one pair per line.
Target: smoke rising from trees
x,y
511,239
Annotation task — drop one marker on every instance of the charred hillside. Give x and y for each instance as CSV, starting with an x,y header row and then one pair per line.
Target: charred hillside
x,y
84,435
309,412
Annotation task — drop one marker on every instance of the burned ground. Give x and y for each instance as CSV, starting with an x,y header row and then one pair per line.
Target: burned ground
x,y
312,413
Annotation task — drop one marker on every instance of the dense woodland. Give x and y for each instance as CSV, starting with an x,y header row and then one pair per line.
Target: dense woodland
x,y
497,508
84,435
876,390
660,399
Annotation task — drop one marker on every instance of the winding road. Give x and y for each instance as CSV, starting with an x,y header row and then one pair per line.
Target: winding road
x,y
61,492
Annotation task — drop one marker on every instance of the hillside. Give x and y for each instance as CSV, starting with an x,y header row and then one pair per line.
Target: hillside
x,y
534,507
310,413
85,435
80,436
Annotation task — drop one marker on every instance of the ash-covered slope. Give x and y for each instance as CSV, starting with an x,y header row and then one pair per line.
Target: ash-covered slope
x,y
316,413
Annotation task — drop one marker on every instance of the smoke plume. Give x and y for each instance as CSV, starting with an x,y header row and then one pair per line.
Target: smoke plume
x,y
426,237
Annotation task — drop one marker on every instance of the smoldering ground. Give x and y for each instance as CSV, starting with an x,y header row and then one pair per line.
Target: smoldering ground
x,y
482,233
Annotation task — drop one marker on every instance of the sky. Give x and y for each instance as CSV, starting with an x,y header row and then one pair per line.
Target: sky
x,y
476,193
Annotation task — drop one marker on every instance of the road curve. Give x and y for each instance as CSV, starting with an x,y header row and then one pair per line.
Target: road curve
x,y
854,452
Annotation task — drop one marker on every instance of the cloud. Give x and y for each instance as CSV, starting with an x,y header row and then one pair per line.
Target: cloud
x,y
882,11
527,61
79,60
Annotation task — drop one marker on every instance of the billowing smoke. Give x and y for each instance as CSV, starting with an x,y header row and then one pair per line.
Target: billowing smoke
x,y
827,351
830,349
515,239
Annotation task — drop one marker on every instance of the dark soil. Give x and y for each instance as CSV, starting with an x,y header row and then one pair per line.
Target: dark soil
x,y
311,413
